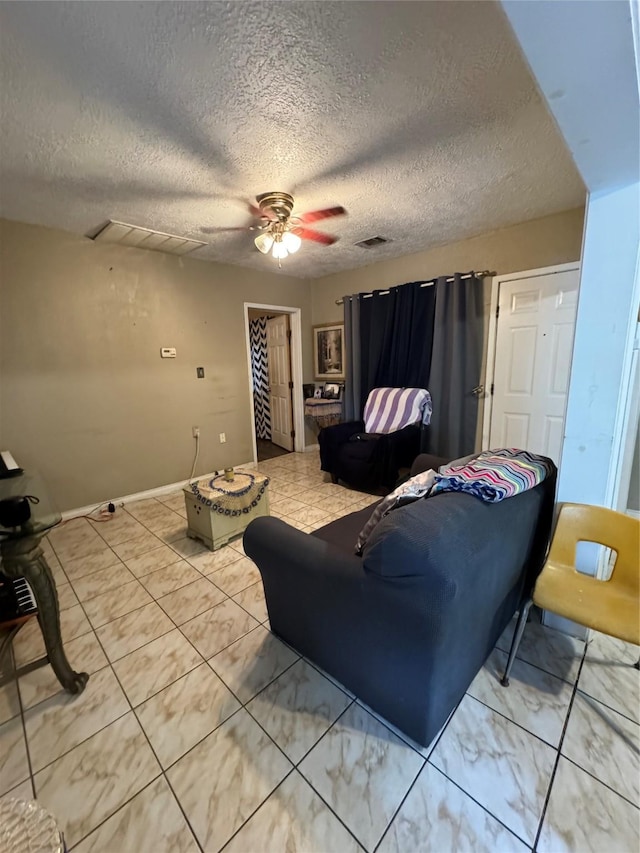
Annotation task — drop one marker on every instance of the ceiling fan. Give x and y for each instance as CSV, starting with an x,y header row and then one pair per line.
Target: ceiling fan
x,y
281,232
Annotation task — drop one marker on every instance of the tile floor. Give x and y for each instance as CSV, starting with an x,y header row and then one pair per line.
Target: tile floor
x,y
199,730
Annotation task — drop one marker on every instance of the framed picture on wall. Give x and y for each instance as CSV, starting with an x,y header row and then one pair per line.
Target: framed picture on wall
x,y
328,351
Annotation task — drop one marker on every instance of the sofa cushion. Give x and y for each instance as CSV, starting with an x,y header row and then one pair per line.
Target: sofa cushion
x,y
430,535
411,490
342,532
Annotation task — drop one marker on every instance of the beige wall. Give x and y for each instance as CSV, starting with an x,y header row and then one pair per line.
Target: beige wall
x,y
84,395
555,239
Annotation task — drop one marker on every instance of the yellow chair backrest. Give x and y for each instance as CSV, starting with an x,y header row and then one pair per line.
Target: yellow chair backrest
x,y
615,530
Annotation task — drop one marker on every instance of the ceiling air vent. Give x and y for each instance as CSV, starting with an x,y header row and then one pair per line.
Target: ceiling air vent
x,y
372,241
144,238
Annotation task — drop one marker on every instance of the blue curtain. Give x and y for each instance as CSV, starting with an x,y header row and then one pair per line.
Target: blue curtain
x,y
456,366
396,337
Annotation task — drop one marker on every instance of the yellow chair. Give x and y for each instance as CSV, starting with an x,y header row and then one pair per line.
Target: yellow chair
x,y
611,606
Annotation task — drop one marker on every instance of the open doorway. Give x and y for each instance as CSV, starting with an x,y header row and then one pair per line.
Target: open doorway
x,y
275,371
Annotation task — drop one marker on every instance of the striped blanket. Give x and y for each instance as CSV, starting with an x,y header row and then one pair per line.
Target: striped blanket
x,y
390,409
495,475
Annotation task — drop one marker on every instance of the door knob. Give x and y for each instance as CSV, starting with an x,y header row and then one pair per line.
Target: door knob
x,y
478,390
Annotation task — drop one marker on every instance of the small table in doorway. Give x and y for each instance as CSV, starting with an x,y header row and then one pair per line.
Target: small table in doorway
x,y
323,411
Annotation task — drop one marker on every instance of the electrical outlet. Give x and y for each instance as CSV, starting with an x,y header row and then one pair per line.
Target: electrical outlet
x,y
195,432
223,438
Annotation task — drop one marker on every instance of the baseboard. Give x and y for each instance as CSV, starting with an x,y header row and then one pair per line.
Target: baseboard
x,y
308,448
146,495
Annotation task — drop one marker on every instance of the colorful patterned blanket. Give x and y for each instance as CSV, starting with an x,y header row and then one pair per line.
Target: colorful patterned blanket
x,y
495,474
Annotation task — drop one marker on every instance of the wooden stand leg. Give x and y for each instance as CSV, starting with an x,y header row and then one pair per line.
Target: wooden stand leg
x,y
24,558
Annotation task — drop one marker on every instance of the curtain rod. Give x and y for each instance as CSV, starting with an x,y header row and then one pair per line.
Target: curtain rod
x,y
482,274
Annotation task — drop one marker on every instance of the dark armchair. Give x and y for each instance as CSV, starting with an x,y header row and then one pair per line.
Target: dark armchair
x,y
371,459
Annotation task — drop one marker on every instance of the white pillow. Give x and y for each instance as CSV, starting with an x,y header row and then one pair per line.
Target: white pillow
x,y
411,490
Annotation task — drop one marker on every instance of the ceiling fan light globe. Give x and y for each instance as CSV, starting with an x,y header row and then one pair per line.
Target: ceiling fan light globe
x,y
279,250
264,242
291,241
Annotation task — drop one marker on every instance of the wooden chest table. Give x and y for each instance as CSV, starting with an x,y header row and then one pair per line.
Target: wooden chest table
x,y
219,510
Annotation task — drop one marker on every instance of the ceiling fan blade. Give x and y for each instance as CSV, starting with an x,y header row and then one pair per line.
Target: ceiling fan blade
x,y
317,215
316,236
221,230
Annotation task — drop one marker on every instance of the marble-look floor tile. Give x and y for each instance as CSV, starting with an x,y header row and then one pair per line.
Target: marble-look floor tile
x,y
185,712
105,580
126,528
117,602
362,771
66,596
249,664
58,724
28,645
238,545
584,815
150,668
299,525
214,807
191,600
151,561
151,821
236,576
605,744
9,701
165,519
172,532
609,650
77,549
217,628
535,699
137,545
293,818
287,507
425,751
211,561
550,650
287,490
14,767
614,682
84,655
506,769
438,816
88,784
23,791
297,709
169,579
253,600
80,567
128,633
188,547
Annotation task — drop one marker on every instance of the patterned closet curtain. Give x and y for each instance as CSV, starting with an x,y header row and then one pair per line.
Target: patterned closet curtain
x,y
260,373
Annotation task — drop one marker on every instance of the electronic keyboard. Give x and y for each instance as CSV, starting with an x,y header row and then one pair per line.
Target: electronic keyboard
x,y
16,599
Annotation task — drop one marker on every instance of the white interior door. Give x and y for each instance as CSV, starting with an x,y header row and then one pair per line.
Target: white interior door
x,y
280,381
534,343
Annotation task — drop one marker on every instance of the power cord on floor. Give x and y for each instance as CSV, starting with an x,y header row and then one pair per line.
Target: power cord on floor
x,y
103,514
195,458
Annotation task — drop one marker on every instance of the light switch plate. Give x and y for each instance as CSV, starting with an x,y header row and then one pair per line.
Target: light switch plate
x,y
168,352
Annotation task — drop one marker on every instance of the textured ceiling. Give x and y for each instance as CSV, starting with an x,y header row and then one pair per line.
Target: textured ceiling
x,y
421,118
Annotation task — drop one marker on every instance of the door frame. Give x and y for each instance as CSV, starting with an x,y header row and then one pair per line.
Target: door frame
x,y
492,337
295,324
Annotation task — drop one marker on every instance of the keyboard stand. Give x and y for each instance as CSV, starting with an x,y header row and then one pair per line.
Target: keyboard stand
x,y
24,558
